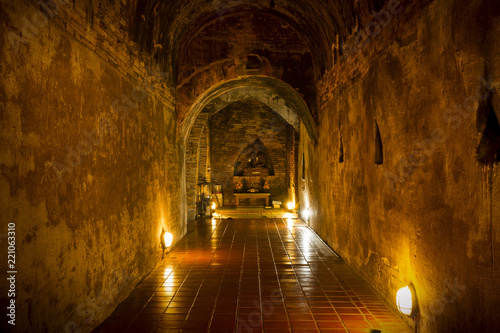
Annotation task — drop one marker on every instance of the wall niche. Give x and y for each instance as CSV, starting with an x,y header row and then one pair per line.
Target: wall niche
x,y
379,149
253,169
248,148
488,149
254,160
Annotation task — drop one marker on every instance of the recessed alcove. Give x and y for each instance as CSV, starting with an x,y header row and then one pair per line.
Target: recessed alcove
x,y
253,170
341,150
254,160
379,150
253,62
248,152
488,149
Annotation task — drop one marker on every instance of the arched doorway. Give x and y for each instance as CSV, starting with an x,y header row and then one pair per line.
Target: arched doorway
x,y
287,112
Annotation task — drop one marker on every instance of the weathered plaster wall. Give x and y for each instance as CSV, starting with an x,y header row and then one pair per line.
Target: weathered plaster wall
x,y
86,235
429,214
233,129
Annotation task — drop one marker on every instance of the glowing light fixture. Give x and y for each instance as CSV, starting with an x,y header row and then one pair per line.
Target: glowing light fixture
x,y
290,205
214,206
306,213
406,301
166,240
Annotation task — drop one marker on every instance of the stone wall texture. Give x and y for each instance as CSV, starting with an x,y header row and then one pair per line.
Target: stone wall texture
x,y
89,165
430,213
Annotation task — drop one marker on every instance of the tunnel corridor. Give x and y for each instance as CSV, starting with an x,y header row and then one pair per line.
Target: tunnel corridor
x,y
125,124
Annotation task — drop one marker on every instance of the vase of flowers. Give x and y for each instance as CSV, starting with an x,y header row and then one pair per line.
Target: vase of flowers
x,y
266,187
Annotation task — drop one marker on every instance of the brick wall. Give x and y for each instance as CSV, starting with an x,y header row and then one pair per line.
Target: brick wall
x,y
292,145
414,218
89,162
233,129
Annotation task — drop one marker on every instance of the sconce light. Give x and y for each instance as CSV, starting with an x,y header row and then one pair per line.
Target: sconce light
x,y
214,206
406,301
306,213
166,240
290,205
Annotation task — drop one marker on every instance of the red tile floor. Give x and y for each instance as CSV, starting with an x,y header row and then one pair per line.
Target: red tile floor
x,y
252,275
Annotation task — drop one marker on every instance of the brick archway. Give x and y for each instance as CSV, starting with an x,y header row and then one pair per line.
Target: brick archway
x,y
276,94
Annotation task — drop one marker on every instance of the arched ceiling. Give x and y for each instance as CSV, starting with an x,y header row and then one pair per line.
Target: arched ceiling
x,y
205,43
161,27
240,45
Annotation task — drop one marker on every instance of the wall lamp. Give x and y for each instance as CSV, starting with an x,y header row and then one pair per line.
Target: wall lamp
x,y
406,301
166,240
306,213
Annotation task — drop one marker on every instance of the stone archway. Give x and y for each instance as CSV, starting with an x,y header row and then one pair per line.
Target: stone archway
x,y
275,94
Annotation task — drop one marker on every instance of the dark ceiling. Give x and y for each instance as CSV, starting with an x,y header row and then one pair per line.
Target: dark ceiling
x,y
162,27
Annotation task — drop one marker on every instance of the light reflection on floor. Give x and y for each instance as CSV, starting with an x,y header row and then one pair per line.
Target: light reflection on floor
x,y
252,275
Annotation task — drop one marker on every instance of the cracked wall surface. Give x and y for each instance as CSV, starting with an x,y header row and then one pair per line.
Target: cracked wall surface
x,y
429,213
89,174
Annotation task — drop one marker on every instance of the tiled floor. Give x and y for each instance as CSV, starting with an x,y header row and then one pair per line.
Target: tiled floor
x,y
261,275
